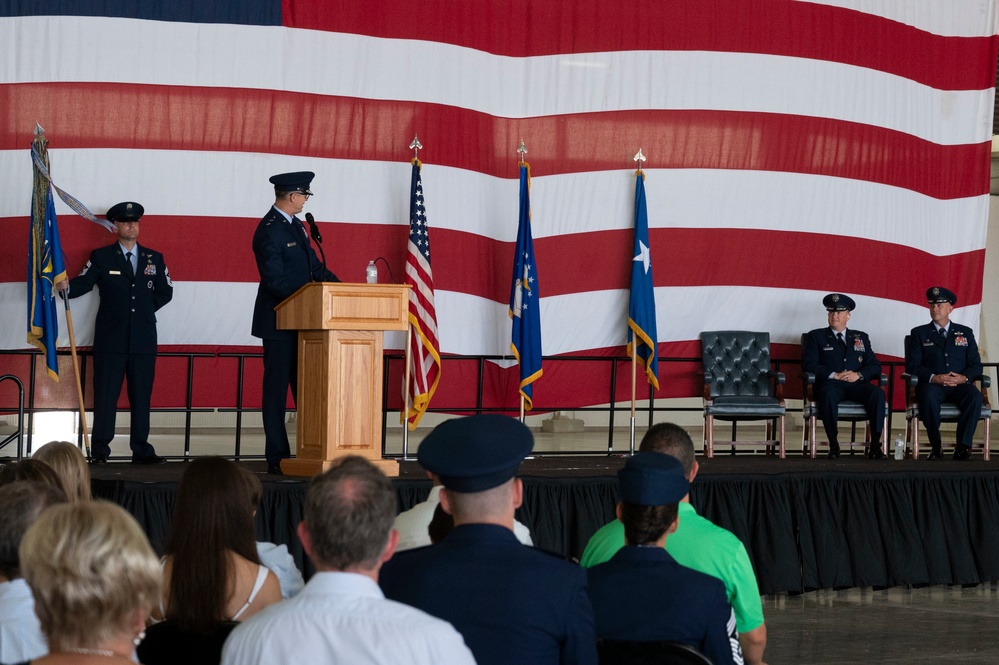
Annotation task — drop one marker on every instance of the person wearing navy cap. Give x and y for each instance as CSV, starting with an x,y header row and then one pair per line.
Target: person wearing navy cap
x,y
642,594
134,284
943,356
844,363
286,262
512,603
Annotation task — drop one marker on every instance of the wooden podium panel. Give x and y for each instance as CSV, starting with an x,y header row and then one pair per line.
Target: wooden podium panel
x,y
340,370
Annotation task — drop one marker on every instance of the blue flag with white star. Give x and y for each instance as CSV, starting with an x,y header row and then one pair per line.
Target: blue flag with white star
x,y
525,297
642,303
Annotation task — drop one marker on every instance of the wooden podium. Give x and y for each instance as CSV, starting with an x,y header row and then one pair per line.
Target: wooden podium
x,y
340,370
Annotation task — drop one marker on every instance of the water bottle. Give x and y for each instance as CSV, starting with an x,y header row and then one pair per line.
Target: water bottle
x,y
899,447
371,273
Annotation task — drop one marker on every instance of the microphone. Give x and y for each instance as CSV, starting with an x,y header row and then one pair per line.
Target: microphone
x,y
313,228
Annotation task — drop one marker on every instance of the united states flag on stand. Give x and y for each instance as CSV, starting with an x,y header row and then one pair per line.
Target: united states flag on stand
x,y
425,355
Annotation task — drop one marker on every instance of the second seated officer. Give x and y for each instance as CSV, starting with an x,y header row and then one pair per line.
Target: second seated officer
x,y
944,356
134,283
844,363
286,262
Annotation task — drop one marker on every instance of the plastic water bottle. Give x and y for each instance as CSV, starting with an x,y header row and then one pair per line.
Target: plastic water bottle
x,y
899,447
371,273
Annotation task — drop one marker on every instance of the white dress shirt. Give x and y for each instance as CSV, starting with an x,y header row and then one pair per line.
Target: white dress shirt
x,y
20,634
344,618
279,561
412,524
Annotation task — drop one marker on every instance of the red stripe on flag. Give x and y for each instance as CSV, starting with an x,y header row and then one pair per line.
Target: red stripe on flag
x,y
572,263
779,27
152,117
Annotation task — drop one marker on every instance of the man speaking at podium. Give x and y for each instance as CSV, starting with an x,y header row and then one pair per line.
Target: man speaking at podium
x,y
286,262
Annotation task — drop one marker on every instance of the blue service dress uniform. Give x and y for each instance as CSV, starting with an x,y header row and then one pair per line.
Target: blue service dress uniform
x,y
286,262
124,338
511,603
643,595
822,355
929,353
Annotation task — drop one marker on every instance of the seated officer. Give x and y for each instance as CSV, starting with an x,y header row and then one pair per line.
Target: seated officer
x,y
843,363
944,357
642,594
511,603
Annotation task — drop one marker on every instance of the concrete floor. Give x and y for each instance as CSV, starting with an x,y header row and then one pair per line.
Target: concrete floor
x,y
929,625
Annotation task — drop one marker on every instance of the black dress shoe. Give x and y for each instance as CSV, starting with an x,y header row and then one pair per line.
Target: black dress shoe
x,y
962,453
934,454
833,452
152,459
98,459
876,453
275,470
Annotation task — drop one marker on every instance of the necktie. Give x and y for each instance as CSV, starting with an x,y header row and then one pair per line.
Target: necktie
x,y
131,270
943,333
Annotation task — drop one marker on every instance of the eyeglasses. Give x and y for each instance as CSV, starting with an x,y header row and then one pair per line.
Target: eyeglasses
x,y
307,194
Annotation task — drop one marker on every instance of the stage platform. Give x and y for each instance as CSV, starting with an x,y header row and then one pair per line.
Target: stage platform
x,y
807,524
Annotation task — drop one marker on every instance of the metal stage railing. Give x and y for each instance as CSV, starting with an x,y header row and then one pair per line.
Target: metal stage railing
x,y
651,408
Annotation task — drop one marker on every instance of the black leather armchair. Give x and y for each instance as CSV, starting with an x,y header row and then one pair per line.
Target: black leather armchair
x,y
849,411
740,385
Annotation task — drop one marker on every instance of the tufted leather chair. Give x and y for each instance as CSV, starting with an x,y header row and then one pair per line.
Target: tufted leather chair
x,y
949,413
849,411
739,384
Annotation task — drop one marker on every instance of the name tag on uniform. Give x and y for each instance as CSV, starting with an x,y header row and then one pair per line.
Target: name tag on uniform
x,y
827,348
114,272
292,244
928,343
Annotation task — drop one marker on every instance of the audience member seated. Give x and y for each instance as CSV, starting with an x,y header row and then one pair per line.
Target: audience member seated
x,y
71,467
20,633
211,572
512,603
29,469
642,594
275,557
440,525
697,544
341,616
412,524
94,578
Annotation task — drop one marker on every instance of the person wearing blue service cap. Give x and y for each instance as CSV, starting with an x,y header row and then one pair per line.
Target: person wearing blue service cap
x,y
944,357
286,262
642,594
844,363
134,283
512,603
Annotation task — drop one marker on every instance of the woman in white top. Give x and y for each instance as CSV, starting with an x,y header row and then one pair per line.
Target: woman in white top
x,y
211,572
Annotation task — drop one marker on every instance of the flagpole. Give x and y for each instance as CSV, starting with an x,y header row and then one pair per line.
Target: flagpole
x,y
76,372
634,379
406,393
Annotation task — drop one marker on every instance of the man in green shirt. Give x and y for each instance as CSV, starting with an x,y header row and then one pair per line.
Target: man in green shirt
x,y
697,544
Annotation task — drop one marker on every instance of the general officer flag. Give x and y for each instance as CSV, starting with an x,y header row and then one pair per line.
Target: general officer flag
x,y
525,297
642,303
45,261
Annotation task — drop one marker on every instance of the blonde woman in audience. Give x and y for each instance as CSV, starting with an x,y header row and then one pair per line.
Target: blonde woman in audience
x,y
71,467
211,572
94,578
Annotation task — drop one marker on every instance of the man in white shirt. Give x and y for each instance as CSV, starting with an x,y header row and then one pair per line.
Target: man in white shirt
x,y
412,524
21,637
342,616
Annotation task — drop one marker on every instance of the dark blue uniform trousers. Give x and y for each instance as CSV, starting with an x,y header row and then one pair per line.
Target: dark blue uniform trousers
x,y
280,372
830,393
967,398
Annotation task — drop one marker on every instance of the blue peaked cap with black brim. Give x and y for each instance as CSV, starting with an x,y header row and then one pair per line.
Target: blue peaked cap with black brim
x,y
476,453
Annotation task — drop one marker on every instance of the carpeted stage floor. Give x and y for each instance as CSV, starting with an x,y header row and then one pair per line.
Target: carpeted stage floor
x,y
808,524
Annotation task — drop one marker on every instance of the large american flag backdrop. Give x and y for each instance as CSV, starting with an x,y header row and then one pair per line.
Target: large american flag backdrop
x,y
794,148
